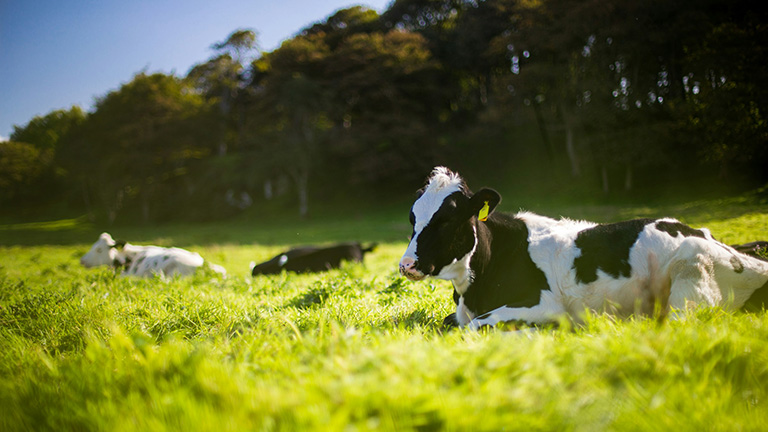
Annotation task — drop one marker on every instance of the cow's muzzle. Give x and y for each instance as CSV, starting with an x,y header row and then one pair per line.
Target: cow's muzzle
x,y
408,269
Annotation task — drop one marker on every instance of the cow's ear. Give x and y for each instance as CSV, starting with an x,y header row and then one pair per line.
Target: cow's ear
x,y
483,202
119,244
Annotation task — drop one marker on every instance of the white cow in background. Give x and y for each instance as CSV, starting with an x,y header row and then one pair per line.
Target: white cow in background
x,y
144,261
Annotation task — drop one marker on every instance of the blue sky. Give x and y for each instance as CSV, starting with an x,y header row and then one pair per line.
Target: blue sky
x,y
59,53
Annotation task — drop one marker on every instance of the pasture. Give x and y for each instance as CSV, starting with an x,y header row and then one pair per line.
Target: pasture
x,y
359,348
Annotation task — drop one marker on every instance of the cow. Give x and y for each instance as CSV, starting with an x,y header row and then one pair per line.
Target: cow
x,y
531,268
308,259
757,249
144,261
754,249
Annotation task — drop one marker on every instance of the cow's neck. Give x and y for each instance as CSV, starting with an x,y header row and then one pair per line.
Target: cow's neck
x,y
482,253
462,281
459,271
472,263
125,255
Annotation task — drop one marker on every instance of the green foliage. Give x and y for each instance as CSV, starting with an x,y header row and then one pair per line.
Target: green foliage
x,y
355,348
47,132
21,166
30,163
146,133
564,97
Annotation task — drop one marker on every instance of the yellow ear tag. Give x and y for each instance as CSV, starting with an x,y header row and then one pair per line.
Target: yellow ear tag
x,y
483,215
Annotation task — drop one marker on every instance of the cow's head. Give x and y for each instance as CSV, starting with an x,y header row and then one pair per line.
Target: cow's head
x,y
444,219
103,252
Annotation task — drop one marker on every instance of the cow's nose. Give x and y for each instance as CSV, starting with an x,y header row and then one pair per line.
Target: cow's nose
x,y
409,270
407,264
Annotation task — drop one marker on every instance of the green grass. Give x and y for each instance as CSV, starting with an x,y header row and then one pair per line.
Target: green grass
x,y
358,348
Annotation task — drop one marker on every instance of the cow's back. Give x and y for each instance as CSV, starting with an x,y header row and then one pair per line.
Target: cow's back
x,y
164,261
622,266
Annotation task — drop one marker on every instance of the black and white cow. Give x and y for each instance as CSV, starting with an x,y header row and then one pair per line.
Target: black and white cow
x,y
312,258
144,261
527,267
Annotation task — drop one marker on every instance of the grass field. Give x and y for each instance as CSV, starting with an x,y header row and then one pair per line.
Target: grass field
x,y
358,348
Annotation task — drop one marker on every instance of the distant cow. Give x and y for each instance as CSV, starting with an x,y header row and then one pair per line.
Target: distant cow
x,y
144,261
526,267
753,249
759,299
312,258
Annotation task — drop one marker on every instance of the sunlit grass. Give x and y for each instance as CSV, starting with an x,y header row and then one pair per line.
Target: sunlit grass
x,y
358,348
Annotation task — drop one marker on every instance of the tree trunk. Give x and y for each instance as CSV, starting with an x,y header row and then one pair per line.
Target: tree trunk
x,y
145,210
543,131
483,91
87,200
114,207
570,148
301,180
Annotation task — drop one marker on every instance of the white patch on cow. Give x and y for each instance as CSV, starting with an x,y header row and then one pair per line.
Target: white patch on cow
x,y
442,183
463,315
283,259
551,247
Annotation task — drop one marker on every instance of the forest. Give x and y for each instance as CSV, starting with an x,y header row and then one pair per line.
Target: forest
x,y
586,99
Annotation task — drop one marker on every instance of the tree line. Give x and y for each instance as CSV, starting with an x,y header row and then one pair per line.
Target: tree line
x,y
595,96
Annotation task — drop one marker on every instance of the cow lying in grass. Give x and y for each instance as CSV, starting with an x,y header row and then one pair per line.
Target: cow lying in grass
x,y
144,261
757,249
526,267
312,259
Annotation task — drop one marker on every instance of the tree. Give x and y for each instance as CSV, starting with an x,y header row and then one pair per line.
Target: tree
x,y
387,98
290,113
45,132
142,138
45,139
223,77
21,166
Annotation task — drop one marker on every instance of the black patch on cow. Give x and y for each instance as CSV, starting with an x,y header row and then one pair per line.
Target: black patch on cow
x,y
117,264
450,321
676,228
505,274
446,237
606,247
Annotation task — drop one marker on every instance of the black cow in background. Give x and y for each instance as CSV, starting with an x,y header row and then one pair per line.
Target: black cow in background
x,y
310,259
753,249
759,299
